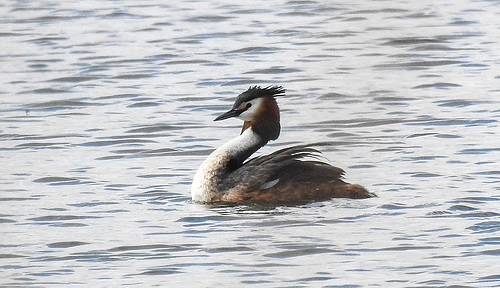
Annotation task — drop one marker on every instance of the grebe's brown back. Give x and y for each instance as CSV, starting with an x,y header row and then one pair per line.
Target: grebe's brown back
x,y
282,177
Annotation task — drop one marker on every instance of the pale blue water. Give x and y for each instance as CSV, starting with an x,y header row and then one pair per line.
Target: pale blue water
x,y
106,113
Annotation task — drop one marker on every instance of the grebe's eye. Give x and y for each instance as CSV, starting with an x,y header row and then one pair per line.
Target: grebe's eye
x,y
248,105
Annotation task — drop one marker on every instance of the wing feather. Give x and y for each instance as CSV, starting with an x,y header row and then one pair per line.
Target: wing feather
x,y
283,166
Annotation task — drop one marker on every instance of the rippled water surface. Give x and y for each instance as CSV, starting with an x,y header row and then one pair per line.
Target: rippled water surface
x,y
106,113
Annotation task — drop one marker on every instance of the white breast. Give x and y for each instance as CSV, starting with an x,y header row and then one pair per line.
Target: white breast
x,y
211,171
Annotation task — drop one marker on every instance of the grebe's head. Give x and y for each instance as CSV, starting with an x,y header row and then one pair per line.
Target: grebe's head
x,y
258,109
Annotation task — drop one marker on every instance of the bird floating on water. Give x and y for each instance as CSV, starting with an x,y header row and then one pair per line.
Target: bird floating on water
x,y
283,177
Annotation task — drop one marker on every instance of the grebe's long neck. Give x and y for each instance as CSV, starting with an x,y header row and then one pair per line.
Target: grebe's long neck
x,y
221,162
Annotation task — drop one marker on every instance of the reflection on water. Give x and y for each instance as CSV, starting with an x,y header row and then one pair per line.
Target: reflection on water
x,y
107,112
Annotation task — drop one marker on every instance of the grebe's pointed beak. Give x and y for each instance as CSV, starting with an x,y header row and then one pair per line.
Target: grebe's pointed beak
x,y
229,114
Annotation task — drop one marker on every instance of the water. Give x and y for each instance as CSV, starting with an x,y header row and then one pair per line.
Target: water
x,y
106,113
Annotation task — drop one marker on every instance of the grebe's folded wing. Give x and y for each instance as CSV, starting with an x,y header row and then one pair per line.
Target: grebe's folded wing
x,y
283,166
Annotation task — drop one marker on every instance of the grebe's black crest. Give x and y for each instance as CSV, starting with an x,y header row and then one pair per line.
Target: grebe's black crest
x,y
258,109
258,92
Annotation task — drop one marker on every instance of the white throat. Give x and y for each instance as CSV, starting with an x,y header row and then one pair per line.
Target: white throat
x,y
215,168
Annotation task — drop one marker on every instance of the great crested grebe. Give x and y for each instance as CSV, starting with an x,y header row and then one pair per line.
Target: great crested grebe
x,y
280,177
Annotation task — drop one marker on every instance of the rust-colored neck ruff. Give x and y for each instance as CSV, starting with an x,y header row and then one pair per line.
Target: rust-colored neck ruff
x,y
266,121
